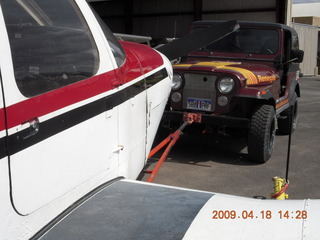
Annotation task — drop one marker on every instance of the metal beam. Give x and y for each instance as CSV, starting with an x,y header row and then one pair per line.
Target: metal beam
x,y
128,9
240,10
281,7
197,8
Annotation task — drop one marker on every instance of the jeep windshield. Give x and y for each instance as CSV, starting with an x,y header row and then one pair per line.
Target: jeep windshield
x,y
247,41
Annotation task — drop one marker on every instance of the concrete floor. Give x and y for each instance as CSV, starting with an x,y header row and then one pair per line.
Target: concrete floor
x,y
220,164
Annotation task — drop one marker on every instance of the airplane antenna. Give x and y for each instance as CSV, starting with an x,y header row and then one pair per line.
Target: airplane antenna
x,y
289,141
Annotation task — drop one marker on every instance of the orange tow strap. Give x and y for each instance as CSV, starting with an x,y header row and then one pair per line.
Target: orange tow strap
x,y
170,140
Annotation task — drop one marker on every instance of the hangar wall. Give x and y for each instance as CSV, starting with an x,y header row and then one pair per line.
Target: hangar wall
x,y
243,10
156,18
171,18
162,18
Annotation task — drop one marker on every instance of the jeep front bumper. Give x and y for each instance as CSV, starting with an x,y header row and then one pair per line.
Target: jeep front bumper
x,y
207,119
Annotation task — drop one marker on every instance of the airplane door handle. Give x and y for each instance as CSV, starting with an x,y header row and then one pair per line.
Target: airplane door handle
x,y
32,128
118,148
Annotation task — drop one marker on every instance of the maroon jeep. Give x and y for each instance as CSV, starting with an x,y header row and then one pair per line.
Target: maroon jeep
x,y
244,83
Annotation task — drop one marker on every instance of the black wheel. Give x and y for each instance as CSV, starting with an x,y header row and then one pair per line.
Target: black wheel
x,y
284,123
262,133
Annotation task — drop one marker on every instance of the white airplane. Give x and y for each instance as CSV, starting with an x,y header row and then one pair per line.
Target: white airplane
x,y
78,114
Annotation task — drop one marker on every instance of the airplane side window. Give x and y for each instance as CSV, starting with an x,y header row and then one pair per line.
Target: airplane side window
x,y
117,50
115,46
51,44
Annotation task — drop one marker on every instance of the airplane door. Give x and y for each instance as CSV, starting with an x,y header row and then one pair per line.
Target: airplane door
x,y
62,137
158,83
3,148
3,154
132,132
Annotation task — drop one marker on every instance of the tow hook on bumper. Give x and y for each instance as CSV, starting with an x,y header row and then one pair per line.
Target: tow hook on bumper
x,y
192,117
218,120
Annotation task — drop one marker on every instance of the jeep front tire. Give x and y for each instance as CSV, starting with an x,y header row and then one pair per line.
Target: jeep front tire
x,y
262,132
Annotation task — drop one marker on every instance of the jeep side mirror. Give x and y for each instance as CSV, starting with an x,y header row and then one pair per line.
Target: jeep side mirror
x,y
297,55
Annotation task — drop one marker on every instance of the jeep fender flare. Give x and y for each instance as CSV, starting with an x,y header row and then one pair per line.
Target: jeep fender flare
x,y
254,100
295,88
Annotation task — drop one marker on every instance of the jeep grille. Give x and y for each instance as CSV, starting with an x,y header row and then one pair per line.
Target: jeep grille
x,y
200,86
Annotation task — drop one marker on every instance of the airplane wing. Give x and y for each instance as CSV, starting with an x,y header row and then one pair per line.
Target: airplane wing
x,y
133,38
126,209
196,40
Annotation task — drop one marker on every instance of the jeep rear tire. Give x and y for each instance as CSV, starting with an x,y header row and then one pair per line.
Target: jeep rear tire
x,y
284,122
262,132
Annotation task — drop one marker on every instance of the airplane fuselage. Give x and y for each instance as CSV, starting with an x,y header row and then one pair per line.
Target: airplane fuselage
x,y
77,109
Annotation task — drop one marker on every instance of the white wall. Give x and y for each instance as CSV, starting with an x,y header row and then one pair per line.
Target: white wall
x,y
308,39
306,9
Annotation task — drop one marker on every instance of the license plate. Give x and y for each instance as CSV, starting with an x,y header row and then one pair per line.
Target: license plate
x,y
199,104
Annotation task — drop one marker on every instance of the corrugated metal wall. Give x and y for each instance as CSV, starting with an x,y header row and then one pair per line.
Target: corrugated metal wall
x,y
308,40
171,18
162,18
241,10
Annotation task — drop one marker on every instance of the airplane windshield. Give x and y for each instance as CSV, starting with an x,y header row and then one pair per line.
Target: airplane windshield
x,y
51,44
247,40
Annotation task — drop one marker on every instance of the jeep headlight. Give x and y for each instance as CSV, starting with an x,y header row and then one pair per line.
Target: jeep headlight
x,y
226,85
176,81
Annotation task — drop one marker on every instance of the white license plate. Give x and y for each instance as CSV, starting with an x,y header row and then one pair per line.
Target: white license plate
x,y
199,104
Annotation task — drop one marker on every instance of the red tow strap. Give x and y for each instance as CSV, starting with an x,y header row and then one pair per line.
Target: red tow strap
x,y
171,140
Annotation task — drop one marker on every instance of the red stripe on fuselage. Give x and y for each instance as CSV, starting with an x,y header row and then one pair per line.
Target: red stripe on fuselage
x,y
52,101
60,98
2,120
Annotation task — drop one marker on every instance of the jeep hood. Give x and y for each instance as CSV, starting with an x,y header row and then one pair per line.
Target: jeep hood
x,y
248,74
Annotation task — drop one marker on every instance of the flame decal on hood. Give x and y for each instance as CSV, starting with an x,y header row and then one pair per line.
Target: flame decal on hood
x,y
252,78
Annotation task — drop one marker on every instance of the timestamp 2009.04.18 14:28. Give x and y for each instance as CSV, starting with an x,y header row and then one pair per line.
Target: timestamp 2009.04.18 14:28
x,y
264,214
